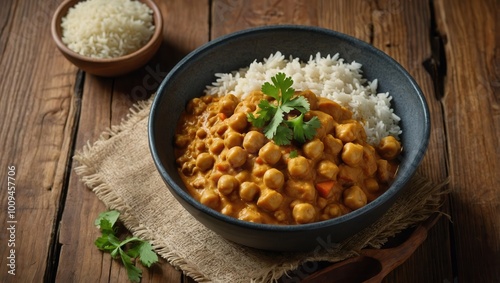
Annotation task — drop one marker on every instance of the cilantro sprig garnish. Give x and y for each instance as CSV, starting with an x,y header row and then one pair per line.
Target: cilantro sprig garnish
x,y
128,249
275,117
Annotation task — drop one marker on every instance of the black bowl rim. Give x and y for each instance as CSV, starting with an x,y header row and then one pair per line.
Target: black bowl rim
x,y
399,182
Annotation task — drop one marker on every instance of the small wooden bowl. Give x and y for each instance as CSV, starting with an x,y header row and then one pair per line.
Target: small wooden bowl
x,y
108,67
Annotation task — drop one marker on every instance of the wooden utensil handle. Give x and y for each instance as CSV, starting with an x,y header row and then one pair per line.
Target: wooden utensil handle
x,y
372,265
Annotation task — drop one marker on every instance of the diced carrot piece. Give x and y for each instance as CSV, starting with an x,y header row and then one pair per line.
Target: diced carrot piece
x,y
324,188
223,167
259,160
222,116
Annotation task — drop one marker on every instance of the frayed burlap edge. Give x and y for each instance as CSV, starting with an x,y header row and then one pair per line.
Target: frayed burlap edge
x,y
428,201
94,181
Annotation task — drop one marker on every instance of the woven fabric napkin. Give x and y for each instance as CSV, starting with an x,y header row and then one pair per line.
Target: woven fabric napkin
x,y
120,171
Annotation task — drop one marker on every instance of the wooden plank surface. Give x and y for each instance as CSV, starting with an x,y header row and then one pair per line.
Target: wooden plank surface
x,y
472,86
48,109
105,102
37,123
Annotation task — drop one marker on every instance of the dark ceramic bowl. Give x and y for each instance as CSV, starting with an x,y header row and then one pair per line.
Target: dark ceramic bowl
x,y
189,78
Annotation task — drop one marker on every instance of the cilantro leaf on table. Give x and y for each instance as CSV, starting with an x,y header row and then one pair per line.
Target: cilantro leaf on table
x,y
273,117
146,254
128,249
133,272
111,216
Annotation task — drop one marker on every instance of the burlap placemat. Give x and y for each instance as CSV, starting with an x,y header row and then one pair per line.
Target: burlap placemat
x,y
120,170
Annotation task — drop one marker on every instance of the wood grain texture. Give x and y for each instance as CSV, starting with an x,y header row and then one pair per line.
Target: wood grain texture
x,y
106,102
37,120
472,87
398,28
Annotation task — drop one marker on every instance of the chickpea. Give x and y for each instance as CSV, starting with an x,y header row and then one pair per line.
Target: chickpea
x,y
196,106
248,191
371,185
304,213
227,184
238,122
212,120
332,144
243,176
383,172
250,214
217,146
327,169
369,162
245,107
348,132
233,139
321,202
260,169
220,129
389,148
210,198
199,183
236,156
333,210
348,174
255,97
200,146
311,98
207,98
294,203
338,112
253,141
270,200
228,104
300,190
214,176
298,167
205,161
274,179
327,122
201,133
182,159
313,149
280,215
188,168
182,141
227,209
270,153
354,197
352,154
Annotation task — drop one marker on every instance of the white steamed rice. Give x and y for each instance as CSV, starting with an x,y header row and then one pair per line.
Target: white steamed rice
x,y
107,28
329,77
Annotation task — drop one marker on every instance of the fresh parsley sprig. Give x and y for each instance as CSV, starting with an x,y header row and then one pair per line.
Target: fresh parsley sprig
x,y
128,249
273,117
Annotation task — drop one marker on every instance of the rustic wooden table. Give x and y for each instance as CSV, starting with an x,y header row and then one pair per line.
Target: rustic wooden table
x,y
49,109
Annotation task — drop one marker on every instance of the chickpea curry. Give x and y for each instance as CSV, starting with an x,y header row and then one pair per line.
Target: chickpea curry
x,y
232,166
